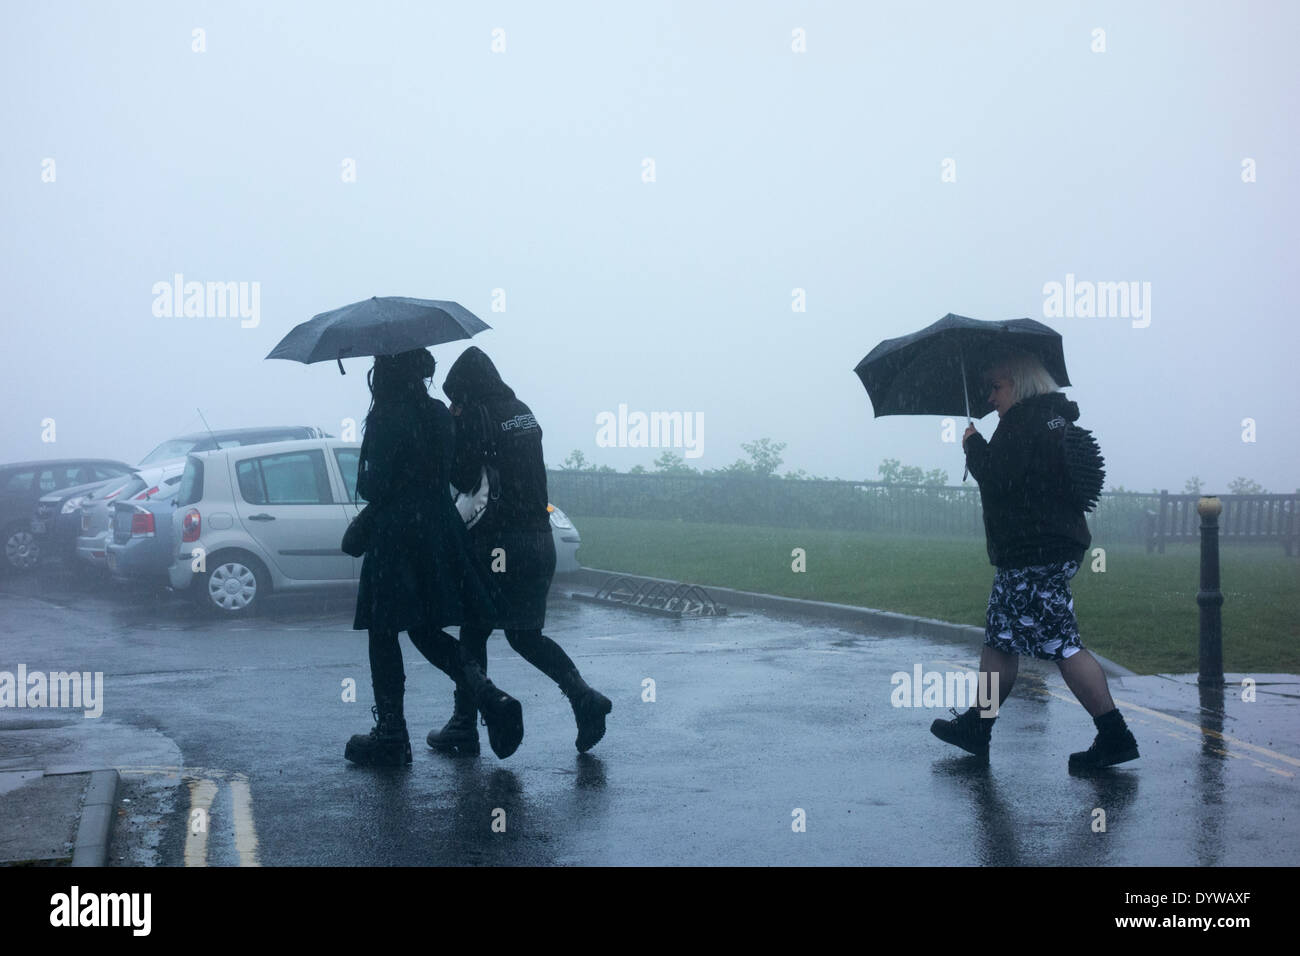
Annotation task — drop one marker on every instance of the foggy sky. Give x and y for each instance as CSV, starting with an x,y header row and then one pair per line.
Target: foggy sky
x,y
775,170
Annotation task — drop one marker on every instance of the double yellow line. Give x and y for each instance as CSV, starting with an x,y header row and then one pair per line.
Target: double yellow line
x,y
203,786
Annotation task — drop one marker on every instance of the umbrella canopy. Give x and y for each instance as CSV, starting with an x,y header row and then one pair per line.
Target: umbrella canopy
x,y
936,371
385,325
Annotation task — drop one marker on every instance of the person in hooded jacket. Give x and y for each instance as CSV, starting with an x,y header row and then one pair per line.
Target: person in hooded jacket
x,y
1036,538
417,574
496,433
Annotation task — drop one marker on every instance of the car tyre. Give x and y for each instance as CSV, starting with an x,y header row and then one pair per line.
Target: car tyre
x,y
22,552
233,584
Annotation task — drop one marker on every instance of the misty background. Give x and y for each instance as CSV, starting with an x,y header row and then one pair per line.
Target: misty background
x,y
775,170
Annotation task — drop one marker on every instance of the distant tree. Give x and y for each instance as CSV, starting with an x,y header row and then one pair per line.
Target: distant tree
x,y
1244,486
576,461
764,456
671,463
935,479
637,470
894,472
604,470
764,460
1193,486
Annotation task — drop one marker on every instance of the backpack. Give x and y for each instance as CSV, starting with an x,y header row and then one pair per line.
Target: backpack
x,y
1085,467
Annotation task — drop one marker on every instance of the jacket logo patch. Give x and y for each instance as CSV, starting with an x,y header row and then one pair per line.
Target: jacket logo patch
x,y
1057,423
522,422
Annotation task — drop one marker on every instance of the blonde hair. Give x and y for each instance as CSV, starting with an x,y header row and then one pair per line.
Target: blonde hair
x,y
1025,373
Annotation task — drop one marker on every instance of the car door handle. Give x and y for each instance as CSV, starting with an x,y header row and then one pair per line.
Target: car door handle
x,y
261,517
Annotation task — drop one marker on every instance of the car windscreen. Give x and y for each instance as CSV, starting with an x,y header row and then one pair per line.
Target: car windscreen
x,y
123,488
169,450
191,490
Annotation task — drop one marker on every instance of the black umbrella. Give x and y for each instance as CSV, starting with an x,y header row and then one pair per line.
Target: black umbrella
x,y
926,373
377,326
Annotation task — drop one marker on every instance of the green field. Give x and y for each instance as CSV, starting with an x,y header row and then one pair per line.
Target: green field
x,y
1141,612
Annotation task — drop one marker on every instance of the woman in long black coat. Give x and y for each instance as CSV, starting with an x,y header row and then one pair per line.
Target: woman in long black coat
x,y
496,430
417,574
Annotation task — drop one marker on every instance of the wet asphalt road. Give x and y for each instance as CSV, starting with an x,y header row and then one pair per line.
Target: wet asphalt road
x,y
230,738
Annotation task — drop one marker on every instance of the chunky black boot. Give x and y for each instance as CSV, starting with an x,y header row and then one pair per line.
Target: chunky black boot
x,y
969,731
1115,743
460,735
502,714
589,710
387,745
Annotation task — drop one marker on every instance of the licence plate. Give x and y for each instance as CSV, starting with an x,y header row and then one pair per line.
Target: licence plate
x,y
38,526
112,561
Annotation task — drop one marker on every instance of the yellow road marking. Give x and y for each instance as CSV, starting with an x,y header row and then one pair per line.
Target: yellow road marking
x,y
245,834
196,843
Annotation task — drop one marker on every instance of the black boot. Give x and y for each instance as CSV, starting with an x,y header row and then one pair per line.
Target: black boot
x,y
460,735
387,745
589,709
503,715
969,731
1114,744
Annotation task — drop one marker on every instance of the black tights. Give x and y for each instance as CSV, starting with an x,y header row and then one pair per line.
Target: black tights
x,y
445,653
386,670
533,646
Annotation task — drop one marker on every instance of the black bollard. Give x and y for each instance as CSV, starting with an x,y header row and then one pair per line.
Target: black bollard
x,y
1209,597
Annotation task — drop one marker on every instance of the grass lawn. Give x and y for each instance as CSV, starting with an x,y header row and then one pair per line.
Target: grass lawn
x,y
1141,612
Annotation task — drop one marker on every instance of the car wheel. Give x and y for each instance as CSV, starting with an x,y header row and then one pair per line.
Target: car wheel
x,y
233,584
22,550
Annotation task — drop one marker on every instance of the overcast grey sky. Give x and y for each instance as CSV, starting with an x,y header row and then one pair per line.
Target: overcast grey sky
x,y
774,170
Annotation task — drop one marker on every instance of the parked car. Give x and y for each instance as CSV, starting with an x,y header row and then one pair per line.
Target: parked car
x,y
567,541
141,546
96,507
175,449
61,522
254,519
250,521
21,486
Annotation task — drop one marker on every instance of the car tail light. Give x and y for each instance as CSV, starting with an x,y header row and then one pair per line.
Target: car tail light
x,y
142,524
144,495
191,524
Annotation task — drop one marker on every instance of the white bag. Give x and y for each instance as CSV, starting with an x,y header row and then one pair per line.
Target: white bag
x,y
472,506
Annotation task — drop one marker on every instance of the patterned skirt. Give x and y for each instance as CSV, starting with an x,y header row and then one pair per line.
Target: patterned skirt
x,y
1031,612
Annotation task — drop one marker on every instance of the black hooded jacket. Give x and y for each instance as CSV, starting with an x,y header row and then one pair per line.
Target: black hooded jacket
x,y
1029,515
497,429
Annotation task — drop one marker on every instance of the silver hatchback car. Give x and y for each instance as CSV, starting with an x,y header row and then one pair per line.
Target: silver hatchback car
x,y
253,519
